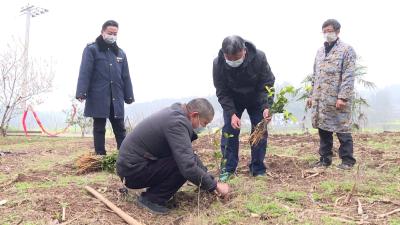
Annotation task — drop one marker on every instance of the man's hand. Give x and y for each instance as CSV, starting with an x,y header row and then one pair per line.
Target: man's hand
x,y
222,189
309,102
235,122
129,101
340,104
266,115
80,99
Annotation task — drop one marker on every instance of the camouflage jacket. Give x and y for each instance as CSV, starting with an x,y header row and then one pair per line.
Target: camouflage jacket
x,y
333,79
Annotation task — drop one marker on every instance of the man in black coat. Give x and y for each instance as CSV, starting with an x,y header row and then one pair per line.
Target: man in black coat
x,y
104,82
158,154
241,73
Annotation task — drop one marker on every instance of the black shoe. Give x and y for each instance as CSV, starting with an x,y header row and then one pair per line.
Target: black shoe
x,y
345,166
320,164
260,174
153,207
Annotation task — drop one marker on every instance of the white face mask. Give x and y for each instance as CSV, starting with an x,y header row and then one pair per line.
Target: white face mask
x,y
330,37
236,63
110,39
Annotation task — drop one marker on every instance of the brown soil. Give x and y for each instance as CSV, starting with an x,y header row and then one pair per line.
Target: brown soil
x,y
284,173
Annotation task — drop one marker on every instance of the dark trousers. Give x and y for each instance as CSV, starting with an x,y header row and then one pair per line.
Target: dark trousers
x,y
161,177
345,149
230,145
99,131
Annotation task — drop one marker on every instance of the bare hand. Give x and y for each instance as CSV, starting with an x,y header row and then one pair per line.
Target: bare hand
x,y
340,104
81,99
235,122
222,189
266,115
309,102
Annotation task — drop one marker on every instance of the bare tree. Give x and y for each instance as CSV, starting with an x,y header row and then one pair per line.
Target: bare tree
x,y
84,123
15,89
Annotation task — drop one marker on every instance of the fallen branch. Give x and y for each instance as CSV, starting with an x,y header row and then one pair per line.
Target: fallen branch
x,y
389,213
386,201
117,210
313,175
344,220
350,194
381,166
15,179
287,156
70,221
354,188
338,199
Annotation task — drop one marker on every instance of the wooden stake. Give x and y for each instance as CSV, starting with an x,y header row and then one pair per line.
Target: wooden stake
x,y
63,214
114,208
360,210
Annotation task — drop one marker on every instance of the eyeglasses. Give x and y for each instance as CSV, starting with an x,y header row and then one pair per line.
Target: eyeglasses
x,y
327,31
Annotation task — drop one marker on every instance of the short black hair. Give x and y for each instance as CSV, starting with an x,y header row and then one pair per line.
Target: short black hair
x,y
335,24
108,23
233,44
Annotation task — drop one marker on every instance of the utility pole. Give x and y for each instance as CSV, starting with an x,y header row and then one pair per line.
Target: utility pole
x,y
29,11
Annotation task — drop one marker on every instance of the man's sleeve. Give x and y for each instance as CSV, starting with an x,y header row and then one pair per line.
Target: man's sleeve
x,y
313,78
267,78
348,68
222,91
128,90
85,73
179,141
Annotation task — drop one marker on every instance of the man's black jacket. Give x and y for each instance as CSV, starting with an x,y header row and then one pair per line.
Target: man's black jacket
x,y
243,85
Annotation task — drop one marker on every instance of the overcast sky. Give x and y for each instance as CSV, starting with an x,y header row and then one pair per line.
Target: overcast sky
x,y
170,45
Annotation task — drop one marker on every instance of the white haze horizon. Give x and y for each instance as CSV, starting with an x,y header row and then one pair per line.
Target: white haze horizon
x,y
170,45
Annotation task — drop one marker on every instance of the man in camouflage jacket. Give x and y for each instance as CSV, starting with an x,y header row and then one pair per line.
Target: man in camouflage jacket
x,y
331,96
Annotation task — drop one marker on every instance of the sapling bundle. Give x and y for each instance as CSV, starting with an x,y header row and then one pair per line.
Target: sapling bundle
x,y
279,106
91,163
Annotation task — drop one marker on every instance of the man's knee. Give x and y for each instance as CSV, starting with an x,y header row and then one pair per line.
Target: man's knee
x,y
345,137
99,125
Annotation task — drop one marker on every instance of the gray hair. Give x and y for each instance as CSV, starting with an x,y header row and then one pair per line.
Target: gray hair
x,y
335,24
202,106
233,44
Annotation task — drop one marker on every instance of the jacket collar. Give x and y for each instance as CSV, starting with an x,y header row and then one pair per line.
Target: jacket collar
x,y
337,43
103,46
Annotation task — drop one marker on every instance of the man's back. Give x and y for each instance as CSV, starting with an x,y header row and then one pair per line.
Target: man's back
x,y
148,141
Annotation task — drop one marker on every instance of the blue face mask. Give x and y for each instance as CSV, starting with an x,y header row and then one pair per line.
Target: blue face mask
x,y
199,128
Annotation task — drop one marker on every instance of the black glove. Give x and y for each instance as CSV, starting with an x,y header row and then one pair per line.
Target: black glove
x,y
129,100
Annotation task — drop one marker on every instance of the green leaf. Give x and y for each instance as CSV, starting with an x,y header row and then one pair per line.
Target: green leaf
x,y
227,135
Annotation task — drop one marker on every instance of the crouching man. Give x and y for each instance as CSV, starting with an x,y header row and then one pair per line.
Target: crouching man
x,y
158,155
